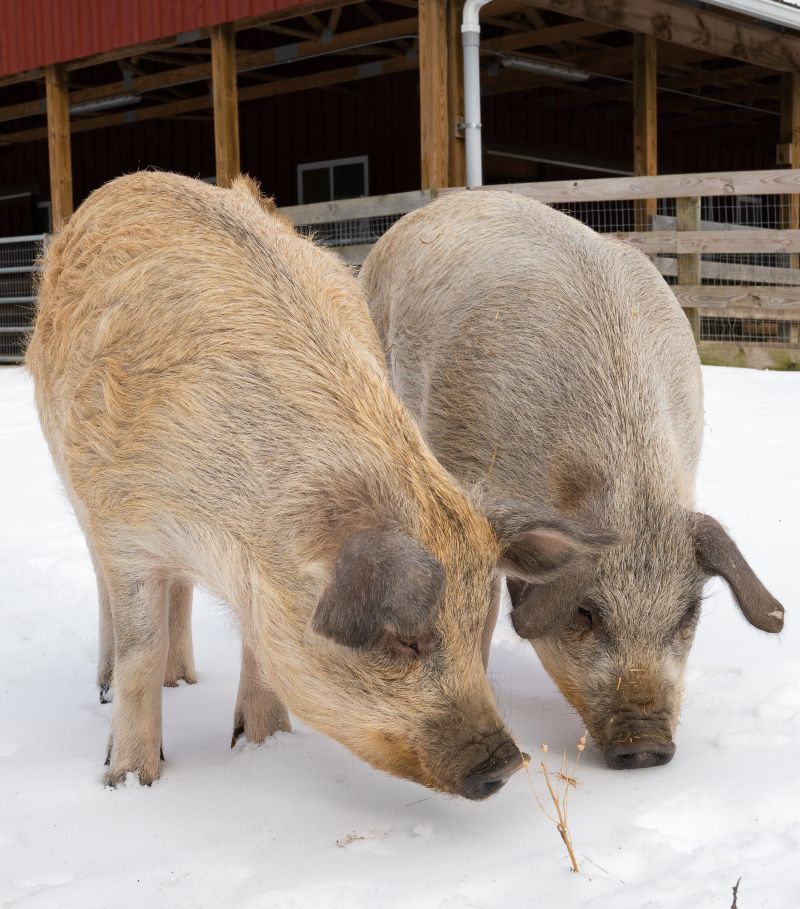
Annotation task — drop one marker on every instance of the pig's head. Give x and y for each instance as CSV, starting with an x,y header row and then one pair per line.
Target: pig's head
x,y
615,631
394,655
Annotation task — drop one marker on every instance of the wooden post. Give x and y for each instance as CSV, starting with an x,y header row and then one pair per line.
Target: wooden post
x,y
688,218
645,122
455,94
226,105
58,143
789,148
434,132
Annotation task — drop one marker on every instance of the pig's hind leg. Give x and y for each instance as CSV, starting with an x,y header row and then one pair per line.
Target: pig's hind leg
x,y
259,711
139,609
105,654
180,659
105,650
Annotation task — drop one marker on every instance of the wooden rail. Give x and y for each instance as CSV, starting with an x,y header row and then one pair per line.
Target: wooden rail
x,y
762,302
353,209
713,241
668,186
753,300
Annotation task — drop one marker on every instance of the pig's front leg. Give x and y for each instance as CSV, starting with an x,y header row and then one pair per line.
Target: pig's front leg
x,y
141,634
180,661
259,711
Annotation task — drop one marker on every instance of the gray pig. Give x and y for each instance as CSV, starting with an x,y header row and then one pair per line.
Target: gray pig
x,y
555,366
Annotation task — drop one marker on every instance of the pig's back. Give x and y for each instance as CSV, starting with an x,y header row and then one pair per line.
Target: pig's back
x,y
182,324
520,339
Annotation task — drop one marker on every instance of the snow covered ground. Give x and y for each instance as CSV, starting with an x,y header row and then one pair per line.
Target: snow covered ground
x,y
301,823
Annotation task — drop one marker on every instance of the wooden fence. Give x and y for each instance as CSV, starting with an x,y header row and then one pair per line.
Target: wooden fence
x,y
758,304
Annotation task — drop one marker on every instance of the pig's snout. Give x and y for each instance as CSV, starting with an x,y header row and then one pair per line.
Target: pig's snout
x,y
490,776
633,755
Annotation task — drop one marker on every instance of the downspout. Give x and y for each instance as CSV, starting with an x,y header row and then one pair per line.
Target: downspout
x,y
471,41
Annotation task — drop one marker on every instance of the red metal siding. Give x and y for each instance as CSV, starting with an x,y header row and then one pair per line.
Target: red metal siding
x,y
34,33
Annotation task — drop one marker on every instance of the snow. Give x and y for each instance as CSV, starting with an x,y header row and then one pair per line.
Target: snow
x,y
299,822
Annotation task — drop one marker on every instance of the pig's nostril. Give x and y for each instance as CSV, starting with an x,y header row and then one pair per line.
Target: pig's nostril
x,y
632,756
490,776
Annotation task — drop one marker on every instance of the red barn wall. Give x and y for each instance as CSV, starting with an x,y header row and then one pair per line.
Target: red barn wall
x,y
34,33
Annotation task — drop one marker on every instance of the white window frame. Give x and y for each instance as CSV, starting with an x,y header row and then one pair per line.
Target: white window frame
x,y
330,164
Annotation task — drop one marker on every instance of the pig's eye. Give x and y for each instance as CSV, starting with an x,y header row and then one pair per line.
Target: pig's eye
x,y
688,620
584,619
405,648
412,649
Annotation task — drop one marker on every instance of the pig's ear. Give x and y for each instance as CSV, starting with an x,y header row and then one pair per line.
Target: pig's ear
x,y
536,544
717,554
384,583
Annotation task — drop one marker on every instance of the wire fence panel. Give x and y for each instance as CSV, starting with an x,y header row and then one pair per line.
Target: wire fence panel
x,y
18,270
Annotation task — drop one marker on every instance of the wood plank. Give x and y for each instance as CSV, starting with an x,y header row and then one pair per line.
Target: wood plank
x,y
570,31
246,61
226,103
457,165
760,302
748,356
688,218
733,271
713,241
667,186
251,93
690,26
347,209
645,122
433,98
790,138
58,144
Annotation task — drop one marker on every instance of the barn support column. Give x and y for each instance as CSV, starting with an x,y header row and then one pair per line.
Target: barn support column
x,y
645,122
226,105
433,94
58,143
789,148
455,95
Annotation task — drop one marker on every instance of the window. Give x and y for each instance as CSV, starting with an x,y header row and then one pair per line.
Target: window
x,y
323,181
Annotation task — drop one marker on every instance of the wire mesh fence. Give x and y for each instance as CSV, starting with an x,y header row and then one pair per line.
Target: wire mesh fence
x,y
18,270
753,213
351,232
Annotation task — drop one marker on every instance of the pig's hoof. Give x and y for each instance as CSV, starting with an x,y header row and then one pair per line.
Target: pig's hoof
x,y
176,674
257,727
114,778
180,668
105,693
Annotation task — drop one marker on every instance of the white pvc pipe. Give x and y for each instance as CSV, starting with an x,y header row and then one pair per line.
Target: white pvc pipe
x,y
471,41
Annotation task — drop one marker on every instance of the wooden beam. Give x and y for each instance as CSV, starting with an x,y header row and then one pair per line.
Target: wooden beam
x,y
789,140
645,120
58,144
688,218
434,132
571,31
457,166
245,62
226,104
324,79
690,26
